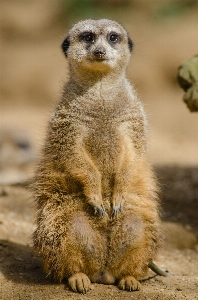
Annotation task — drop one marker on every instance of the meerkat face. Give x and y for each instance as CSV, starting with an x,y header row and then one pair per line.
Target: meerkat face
x,y
97,45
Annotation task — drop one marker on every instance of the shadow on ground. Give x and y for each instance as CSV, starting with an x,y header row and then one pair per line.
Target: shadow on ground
x,y
19,264
179,193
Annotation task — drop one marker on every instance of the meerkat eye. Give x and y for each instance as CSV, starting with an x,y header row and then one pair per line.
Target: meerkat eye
x,y
87,37
113,37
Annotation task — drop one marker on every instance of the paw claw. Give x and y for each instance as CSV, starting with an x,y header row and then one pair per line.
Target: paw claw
x,y
117,208
100,210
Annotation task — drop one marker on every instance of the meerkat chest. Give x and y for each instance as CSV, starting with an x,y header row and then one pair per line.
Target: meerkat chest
x,y
102,119
104,136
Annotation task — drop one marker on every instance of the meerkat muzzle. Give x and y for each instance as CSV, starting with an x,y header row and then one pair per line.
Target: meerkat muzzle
x,y
99,53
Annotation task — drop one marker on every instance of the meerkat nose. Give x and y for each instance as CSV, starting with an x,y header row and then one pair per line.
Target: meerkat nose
x,y
99,53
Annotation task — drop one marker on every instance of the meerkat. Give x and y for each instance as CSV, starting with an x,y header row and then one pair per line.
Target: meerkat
x,y
96,194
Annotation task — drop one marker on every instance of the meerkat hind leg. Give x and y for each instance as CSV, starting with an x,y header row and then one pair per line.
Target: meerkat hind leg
x,y
130,259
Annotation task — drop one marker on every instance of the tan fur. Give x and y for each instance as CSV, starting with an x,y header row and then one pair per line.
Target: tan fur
x,y
97,216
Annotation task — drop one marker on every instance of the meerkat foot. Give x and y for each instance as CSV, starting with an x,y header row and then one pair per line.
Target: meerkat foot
x,y
80,283
129,283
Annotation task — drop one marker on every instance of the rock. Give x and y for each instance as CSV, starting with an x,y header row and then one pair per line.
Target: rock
x,y
188,80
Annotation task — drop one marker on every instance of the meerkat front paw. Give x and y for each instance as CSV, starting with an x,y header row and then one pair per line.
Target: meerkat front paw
x,y
117,205
80,283
129,283
100,210
98,206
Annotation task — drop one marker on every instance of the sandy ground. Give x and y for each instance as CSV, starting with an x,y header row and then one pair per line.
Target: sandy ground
x,y
34,70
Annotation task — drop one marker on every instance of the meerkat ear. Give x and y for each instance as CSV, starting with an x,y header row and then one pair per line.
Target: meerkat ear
x,y
130,44
65,45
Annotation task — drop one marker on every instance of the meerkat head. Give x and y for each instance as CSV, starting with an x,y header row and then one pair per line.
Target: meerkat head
x,y
97,46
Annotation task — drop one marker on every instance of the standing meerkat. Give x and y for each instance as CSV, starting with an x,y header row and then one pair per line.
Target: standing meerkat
x,y
97,218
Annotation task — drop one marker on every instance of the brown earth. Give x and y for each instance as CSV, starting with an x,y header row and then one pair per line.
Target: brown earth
x,y
33,70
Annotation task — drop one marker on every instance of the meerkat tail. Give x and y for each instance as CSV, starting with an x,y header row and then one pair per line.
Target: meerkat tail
x,y
156,269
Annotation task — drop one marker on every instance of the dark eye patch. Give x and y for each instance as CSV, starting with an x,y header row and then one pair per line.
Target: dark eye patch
x,y
87,37
65,46
130,44
113,38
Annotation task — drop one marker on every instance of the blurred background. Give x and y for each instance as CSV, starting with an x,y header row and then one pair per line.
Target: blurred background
x,y
33,69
